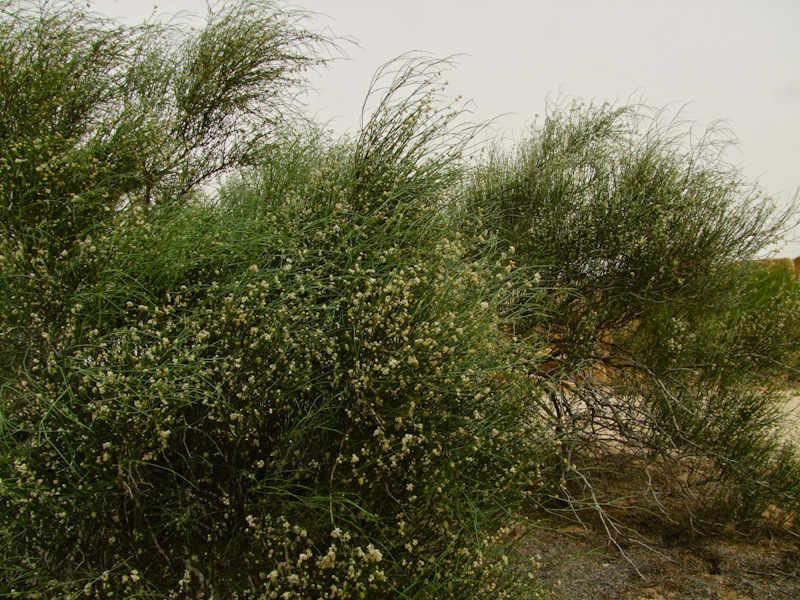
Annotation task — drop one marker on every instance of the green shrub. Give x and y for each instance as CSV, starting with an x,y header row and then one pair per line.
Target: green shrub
x,y
661,342
297,391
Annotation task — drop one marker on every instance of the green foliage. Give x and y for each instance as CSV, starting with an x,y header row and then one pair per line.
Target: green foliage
x,y
293,392
410,143
94,114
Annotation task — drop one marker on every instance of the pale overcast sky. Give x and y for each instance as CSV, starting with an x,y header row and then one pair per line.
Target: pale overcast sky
x,y
732,60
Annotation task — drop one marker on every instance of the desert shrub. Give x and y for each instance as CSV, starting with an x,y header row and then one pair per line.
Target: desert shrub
x,y
662,341
296,391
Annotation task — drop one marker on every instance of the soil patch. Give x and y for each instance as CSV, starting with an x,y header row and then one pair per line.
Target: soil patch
x,y
580,564
656,558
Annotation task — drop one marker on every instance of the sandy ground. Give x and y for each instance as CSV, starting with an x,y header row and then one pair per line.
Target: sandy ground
x,y
579,564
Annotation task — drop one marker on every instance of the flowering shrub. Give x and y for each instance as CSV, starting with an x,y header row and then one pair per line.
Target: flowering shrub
x,y
293,392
